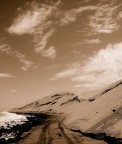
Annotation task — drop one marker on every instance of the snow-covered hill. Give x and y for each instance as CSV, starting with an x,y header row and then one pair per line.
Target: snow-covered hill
x,y
100,114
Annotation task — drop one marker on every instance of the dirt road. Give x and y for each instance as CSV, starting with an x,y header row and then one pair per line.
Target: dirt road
x,y
55,132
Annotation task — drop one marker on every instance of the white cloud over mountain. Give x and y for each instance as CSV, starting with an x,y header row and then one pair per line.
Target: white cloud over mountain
x,y
103,68
99,70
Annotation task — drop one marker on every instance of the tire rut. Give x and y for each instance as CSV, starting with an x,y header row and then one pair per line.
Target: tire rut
x,y
68,140
55,132
43,138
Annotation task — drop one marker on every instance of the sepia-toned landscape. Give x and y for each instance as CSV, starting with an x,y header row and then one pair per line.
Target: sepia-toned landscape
x,y
60,72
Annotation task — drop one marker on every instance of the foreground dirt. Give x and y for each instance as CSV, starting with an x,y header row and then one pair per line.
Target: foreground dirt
x,y
55,132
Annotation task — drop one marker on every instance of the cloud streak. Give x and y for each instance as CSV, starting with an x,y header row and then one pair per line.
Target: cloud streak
x,y
50,52
68,72
36,21
5,75
13,91
41,43
93,41
98,71
72,15
26,64
41,21
104,21
33,16
64,74
103,68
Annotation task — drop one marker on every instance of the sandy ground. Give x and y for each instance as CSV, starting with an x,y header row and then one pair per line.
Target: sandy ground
x,y
55,132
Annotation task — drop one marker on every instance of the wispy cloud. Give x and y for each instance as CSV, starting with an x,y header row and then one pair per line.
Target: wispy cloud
x,y
104,21
68,72
71,15
41,43
103,68
64,74
36,20
120,16
92,41
98,71
50,53
5,75
4,48
13,90
30,18
41,21
83,1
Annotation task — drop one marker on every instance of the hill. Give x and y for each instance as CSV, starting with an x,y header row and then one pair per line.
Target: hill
x,y
100,114
52,103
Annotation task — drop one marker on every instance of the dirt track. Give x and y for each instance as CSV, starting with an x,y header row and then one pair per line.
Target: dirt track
x,y
54,132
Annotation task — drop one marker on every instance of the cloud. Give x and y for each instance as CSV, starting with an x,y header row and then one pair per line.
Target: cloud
x,y
83,1
68,72
102,69
41,42
104,21
4,48
35,15
36,20
29,19
71,15
97,71
50,52
42,20
86,86
64,74
4,75
92,41
13,90
119,16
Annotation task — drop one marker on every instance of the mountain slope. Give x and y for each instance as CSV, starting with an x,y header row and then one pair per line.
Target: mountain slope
x,y
100,114
109,88
52,103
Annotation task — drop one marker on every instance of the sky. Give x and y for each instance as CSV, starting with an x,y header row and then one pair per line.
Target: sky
x,y
50,46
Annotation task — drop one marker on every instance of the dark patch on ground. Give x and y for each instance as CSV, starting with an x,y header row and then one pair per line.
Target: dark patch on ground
x,y
101,136
18,130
